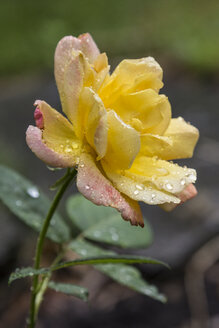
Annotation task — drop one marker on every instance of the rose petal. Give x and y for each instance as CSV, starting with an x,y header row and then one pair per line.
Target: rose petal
x,y
94,120
47,155
58,133
89,47
184,137
136,189
123,142
132,75
188,193
151,109
69,80
95,187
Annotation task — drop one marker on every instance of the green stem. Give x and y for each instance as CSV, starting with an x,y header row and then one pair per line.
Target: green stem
x,y
40,242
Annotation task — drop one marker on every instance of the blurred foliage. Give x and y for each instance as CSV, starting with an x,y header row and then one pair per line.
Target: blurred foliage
x,y
183,30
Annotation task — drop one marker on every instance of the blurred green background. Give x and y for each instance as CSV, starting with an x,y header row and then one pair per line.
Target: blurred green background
x,y
186,31
183,37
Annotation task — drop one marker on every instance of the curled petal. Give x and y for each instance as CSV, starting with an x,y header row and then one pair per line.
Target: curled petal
x,y
188,193
58,133
137,189
47,155
69,80
95,187
94,120
132,75
151,109
164,175
123,142
151,180
89,47
38,116
184,137
154,145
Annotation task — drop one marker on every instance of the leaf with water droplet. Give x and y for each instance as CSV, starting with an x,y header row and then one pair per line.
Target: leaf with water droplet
x,y
121,273
29,204
104,224
69,289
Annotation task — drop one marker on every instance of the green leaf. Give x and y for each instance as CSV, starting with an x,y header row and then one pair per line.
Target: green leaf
x,y
77,291
84,214
124,274
116,231
25,272
29,204
104,224
104,257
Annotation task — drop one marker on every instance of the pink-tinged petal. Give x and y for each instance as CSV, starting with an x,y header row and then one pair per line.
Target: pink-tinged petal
x,y
38,116
47,155
89,47
188,193
64,54
95,187
69,77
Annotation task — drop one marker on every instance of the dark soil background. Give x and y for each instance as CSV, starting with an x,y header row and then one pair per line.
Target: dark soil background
x,y
183,36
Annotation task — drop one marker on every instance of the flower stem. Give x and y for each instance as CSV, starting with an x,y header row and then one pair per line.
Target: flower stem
x,y
40,242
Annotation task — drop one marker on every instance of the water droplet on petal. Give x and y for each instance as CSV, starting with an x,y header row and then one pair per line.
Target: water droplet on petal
x,y
33,192
68,149
87,187
191,176
136,192
182,182
153,196
169,186
139,187
74,145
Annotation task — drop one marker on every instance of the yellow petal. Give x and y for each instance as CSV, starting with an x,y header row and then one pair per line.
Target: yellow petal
x,y
46,154
94,121
132,75
88,47
136,188
70,83
188,193
101,62
155,145
123,142
153,111
58,133
184,137
162,174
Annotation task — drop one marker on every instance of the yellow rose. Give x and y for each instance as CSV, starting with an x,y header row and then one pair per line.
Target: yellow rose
x,y
118,131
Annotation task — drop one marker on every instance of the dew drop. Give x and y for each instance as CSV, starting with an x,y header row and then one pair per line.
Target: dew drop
x,y
18,203
182,182
83,252
68,149
74,145
139,187
115,237
53,222
169,186
136,192
33,192
191,176
153,196
97,233
87,187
